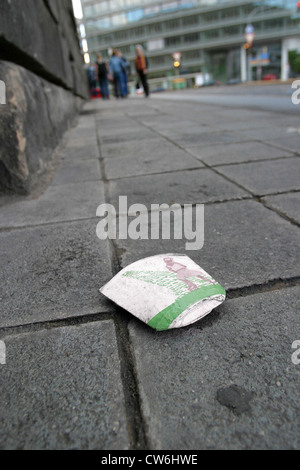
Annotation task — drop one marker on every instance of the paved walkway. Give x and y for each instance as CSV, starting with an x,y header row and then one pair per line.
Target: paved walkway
x,y
83,374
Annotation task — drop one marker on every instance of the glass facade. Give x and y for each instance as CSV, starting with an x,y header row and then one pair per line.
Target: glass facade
x,y
208,33
136,10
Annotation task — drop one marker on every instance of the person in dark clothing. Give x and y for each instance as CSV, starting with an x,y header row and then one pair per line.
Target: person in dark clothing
x,y
124,74
91,71
102,68
141,64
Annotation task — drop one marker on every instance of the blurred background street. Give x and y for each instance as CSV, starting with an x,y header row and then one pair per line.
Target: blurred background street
x,y
275,98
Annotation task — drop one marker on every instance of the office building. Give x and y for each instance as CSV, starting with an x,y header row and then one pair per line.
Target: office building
x,y
208,34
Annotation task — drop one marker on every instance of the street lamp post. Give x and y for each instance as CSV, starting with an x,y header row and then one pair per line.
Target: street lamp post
x,y
249,37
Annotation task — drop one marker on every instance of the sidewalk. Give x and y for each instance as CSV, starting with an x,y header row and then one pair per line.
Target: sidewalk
x,y
83,374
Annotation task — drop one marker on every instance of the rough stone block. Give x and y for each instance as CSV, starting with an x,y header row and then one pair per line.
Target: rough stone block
x,y
32,123
42,36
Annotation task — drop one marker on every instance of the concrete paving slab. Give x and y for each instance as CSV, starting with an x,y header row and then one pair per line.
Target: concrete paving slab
x,y
228,382
119,128
237,153
290,142
185,130
142,133
245,114
77,171
245,244
287,204
59,203
184,187
245,125
52,272
82,142
81,152
85,121
162,119
266,133
144,112
167,159
208,137
61,390
267,177
84,133
138,149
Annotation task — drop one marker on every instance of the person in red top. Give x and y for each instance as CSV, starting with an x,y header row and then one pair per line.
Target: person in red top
x,y
141,65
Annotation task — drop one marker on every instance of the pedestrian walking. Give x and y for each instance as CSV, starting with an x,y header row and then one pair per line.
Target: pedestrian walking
x,y
141,64
102,71
124,74
116,70
91,73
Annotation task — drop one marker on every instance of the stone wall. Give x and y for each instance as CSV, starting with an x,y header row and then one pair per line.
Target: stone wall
x,y
42,68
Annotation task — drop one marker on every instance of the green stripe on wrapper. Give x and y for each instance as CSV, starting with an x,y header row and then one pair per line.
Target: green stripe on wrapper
x,y
163,320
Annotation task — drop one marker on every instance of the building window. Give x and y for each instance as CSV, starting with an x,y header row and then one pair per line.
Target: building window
x,y
101,7
121,35
125,50
212,16
152,11
135,15
139,32
192,55
173,41
230,13
193,37
103,23
131,3
160,60
119,20
117,4
89,12
156,44
172,24
276,23
212,34
231,31
190,20
247,10
155,28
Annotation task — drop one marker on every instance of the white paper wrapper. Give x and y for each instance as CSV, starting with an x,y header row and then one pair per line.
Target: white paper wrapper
x,y
165,291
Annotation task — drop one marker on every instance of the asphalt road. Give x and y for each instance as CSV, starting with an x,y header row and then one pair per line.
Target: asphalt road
x,y
276,98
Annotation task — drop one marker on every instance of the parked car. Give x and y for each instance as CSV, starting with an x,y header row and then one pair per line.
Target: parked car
x,y
270,76
234,81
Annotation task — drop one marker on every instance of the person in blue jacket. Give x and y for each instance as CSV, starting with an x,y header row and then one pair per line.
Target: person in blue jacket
x,y
116,70
125,74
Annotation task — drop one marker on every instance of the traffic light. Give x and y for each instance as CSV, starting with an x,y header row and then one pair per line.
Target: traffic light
x,y
297,11
177,60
